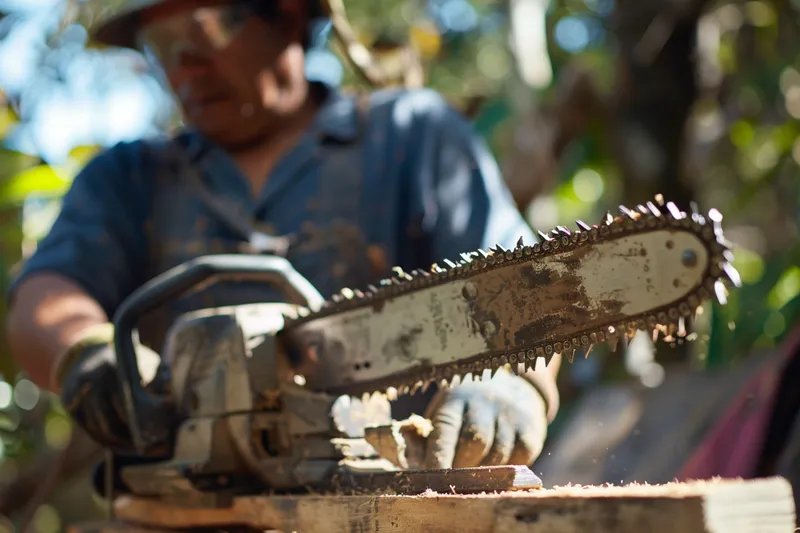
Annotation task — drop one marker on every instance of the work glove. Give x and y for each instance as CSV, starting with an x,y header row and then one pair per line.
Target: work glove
x,y
90,390
492,422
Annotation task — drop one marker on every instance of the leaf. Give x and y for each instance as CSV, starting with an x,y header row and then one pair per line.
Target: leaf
x,y
786,289
13,162
8,119
426,38
81,155
41,180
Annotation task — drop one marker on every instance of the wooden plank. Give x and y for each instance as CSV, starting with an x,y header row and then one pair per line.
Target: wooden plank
x,y
455,480
716,506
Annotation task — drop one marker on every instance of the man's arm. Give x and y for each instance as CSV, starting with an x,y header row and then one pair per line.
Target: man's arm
x,y
84,267
466,204
49,314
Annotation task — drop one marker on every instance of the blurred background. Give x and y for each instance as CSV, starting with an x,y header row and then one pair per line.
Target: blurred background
x,y
587,104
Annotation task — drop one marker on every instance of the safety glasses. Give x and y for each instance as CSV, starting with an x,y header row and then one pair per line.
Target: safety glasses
x,y
202,30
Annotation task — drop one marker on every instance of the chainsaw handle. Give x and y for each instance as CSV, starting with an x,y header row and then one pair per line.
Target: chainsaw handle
x,y
145,411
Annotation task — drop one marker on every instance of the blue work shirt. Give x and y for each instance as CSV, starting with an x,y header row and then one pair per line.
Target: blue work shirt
x,y
400,181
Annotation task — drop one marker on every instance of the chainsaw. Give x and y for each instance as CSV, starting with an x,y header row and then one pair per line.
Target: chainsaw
x,y
260,387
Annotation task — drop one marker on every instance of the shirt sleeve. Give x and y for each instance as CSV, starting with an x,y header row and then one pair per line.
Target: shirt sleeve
x,y
98,239
462,199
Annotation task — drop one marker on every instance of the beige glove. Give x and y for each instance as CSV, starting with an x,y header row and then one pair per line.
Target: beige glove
x,y
491,422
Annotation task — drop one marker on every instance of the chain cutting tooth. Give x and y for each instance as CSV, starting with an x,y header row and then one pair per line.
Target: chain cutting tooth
x,y
450,264
436,269
695,211
655,211
721,292
545,237
583,225
674,211
627,212
659,198
716,219
732,274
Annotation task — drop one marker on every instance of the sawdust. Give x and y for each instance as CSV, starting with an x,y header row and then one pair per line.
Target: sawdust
x,y
638,490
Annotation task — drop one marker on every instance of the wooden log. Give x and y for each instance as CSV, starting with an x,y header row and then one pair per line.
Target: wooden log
x,y
715,506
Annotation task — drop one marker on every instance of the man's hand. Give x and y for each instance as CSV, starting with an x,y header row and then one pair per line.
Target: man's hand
x,y
91,392
492,422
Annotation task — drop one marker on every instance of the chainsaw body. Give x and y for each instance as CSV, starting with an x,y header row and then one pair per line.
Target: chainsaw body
x,y
265,392
238,431
248,425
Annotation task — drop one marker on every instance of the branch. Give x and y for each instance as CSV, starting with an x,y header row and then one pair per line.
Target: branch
x,y
408,71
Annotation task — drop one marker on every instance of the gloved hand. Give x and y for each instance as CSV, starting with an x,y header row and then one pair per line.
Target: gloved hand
x,y
488,423
90,390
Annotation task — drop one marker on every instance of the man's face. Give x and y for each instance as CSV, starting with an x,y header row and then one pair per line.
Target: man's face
x,y
235,74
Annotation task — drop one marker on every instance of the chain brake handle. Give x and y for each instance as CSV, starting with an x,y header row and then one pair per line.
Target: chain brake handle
x,y
146,412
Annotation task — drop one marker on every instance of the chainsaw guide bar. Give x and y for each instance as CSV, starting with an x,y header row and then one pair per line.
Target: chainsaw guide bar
x,y
648,269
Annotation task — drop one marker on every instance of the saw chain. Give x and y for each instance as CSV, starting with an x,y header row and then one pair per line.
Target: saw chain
x,y
646,269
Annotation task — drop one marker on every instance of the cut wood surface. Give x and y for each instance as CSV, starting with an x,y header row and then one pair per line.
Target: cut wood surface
x,y
715,506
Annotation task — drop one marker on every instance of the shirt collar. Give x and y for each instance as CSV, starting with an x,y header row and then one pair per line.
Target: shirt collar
x,y
336,121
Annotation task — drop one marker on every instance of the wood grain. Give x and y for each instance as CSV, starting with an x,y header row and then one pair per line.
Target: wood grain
x,y
716,506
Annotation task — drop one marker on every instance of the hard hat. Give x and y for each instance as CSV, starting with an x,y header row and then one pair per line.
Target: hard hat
x,y
119,27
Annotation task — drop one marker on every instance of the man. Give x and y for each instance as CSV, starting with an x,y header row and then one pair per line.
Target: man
x,y
360,185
